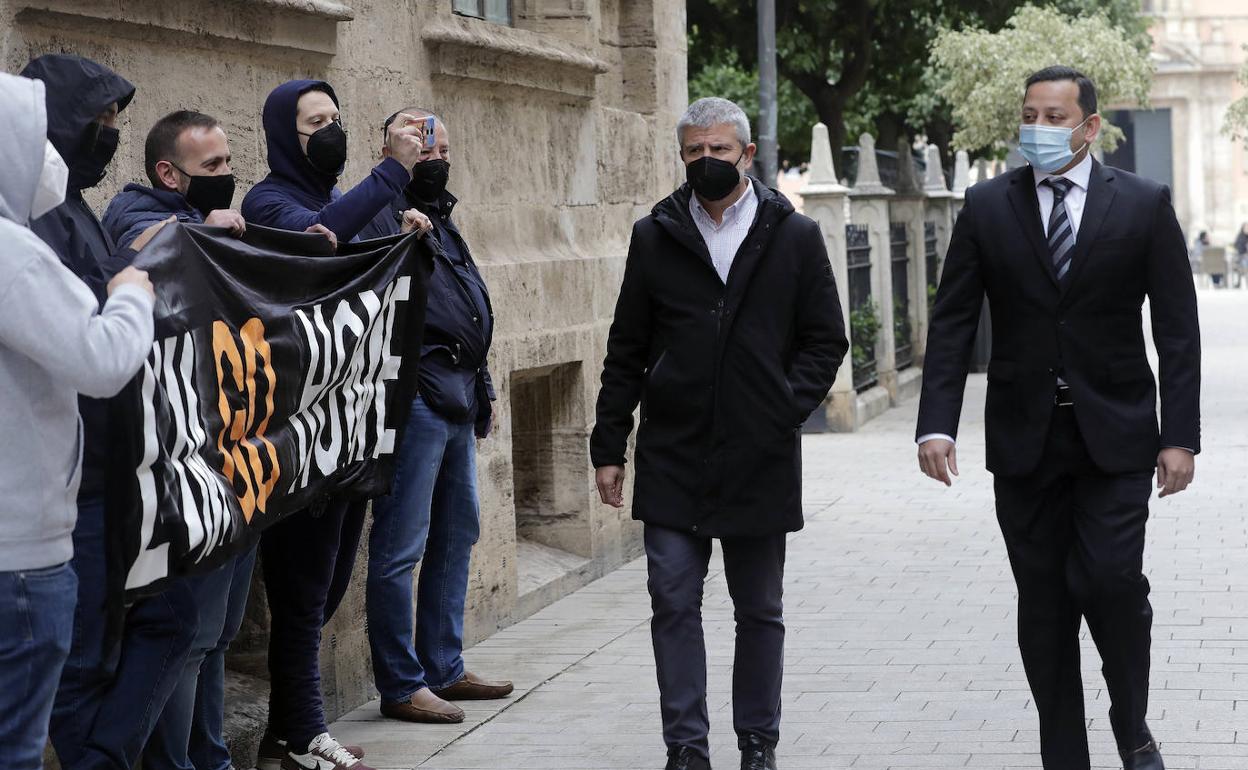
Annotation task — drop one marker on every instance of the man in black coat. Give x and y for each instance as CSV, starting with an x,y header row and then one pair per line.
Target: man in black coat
x,y
1066,251
729,332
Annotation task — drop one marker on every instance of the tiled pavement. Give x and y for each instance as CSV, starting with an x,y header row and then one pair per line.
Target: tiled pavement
x,y
901,646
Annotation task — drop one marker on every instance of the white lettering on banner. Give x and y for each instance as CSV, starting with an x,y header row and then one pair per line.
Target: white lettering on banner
x,y
342,409
340,419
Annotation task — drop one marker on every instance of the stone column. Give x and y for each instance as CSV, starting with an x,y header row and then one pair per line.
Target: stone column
x,y
939,214
961,181
824,200
908,209
868,206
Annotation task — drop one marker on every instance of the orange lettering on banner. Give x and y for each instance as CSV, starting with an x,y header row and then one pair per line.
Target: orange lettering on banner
x,y
243,446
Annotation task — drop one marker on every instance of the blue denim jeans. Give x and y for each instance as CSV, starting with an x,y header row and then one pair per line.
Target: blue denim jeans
x,y
109,700
431,517
188,735
36,624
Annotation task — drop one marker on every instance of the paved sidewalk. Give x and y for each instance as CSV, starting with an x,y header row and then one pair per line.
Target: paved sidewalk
x,y
900,610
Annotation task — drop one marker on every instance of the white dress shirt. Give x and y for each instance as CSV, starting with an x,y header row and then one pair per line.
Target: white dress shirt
x,y
723,240
1076,197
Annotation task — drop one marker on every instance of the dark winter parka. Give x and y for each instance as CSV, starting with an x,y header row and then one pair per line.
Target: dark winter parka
x,y
725,374
78,90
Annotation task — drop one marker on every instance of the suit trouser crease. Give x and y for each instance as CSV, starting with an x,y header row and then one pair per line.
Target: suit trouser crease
x,y
1075,539
677,565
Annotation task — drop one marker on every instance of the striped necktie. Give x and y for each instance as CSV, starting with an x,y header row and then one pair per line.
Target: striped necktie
x,y
1061,228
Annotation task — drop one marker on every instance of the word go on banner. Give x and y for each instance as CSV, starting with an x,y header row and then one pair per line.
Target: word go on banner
x,y
280,376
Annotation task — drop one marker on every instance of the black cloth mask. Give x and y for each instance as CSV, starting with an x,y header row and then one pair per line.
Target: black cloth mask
x,y
208,193
429,180
712,178
99,145
327,149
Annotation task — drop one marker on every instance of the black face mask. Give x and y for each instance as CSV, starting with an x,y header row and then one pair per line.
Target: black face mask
x,y
208,193
99,145
712,178
429,180
327,149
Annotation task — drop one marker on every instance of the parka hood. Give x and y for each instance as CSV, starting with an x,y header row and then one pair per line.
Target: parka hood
x,y
23,128
287,161
78,90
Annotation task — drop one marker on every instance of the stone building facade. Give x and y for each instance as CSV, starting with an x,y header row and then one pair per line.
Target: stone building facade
x,y
561,115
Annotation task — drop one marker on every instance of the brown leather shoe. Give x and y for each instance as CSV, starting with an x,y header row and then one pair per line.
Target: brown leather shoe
x,y
423,707
473,687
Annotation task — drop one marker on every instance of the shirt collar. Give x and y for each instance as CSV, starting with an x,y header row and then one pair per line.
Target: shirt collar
x,y
1081,174
747,199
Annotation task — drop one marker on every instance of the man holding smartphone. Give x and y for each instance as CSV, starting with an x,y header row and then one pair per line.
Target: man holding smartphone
x,y
431,517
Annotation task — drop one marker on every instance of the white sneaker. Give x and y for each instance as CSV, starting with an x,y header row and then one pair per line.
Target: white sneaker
x,y
324,753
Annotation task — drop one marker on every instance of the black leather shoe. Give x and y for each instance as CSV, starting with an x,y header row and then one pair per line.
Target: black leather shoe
x,y
685,758
1147,757
757,754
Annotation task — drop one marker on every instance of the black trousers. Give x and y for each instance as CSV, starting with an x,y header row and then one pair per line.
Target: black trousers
x,y
1075,537
754,567
307,560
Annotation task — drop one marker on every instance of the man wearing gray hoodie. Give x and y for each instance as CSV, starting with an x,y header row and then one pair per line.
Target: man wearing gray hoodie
x,y
55,343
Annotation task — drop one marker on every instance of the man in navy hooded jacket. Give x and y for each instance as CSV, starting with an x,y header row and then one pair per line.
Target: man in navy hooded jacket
x,y
187,160
307,557
107,700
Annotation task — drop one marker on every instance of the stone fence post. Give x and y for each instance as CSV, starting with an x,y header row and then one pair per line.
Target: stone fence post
x,y
961,181
907,212
937,227
868,207
824,200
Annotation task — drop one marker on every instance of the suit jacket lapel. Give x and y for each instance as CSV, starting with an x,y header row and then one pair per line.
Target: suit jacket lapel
x,y
1100,196
1026,205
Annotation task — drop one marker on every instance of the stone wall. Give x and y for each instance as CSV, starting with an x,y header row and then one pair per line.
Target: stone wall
x,y
561,130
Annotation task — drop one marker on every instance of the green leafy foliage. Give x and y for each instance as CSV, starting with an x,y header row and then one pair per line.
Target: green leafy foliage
x,y
981,73
864,330
864,65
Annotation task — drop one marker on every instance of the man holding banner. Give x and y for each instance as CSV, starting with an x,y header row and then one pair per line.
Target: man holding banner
x,y
187,161
307,560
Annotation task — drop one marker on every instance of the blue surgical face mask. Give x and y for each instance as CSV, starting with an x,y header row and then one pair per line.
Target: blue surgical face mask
x,y
1047,148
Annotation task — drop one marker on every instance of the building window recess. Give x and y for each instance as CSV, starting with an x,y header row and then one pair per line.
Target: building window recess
x,y
496,11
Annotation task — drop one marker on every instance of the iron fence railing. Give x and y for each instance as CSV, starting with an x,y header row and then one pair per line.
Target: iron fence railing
x,y
903,332
864,321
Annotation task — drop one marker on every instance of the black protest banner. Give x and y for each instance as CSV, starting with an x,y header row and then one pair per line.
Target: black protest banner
x,y
280,377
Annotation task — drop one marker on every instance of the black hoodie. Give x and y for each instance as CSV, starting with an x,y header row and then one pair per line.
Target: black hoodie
x,y
78,90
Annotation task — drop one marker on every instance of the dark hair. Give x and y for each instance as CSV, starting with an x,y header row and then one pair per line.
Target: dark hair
x,y
1087,89
162,140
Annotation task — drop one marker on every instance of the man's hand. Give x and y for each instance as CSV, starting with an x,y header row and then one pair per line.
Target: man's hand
x,y
1175,470
406,145
134,277
414,220
610,480
325,231
227,218
937,458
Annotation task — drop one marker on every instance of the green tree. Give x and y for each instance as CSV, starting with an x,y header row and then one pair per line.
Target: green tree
x,y
863,64
980,72
795,114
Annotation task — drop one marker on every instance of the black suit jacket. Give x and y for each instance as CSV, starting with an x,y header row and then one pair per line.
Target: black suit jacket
x,y
1087,329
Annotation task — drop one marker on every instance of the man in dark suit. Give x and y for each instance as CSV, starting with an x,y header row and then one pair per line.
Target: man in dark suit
x,y
729,332
1066,250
